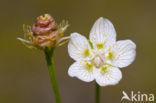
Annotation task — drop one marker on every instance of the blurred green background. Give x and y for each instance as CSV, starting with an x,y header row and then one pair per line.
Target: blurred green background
x,y
24,76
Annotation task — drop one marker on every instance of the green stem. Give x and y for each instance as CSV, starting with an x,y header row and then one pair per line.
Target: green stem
x,y
97,95
50,63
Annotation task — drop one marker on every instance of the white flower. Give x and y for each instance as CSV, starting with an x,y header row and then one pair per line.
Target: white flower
x,y
101,56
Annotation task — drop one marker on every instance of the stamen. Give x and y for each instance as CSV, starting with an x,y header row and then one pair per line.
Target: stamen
x,y
100,45
110,55
103,69
62,27
89,66
86,52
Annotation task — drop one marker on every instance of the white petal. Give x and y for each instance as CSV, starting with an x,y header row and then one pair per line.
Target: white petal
x,y
111,76
81,71
77,46
125,52
102,31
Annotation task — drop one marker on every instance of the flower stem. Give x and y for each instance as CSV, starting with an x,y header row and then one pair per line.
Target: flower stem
x,y
97,95
50,63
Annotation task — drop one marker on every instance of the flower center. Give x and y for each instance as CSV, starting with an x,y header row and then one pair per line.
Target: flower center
x,y
98,59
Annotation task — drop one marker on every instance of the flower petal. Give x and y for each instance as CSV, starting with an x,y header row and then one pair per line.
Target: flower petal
x,y
109,76
78,47
125,52
82,71
102,32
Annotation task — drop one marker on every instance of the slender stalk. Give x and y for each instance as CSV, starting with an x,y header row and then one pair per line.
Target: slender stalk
x,y
50,63
97,94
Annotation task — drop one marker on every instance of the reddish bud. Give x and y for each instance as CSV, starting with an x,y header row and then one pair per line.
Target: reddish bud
x,y
45,31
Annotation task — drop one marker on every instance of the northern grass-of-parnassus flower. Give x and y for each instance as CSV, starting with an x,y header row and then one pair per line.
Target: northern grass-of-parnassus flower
x,y
44,33
100,57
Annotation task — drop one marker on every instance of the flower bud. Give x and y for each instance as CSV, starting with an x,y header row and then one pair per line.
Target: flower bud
x,y
44,25
45,31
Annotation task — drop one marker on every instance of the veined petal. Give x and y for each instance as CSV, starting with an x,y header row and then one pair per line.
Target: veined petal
x,y
124,52
82,70
102,33
107,75
78,47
